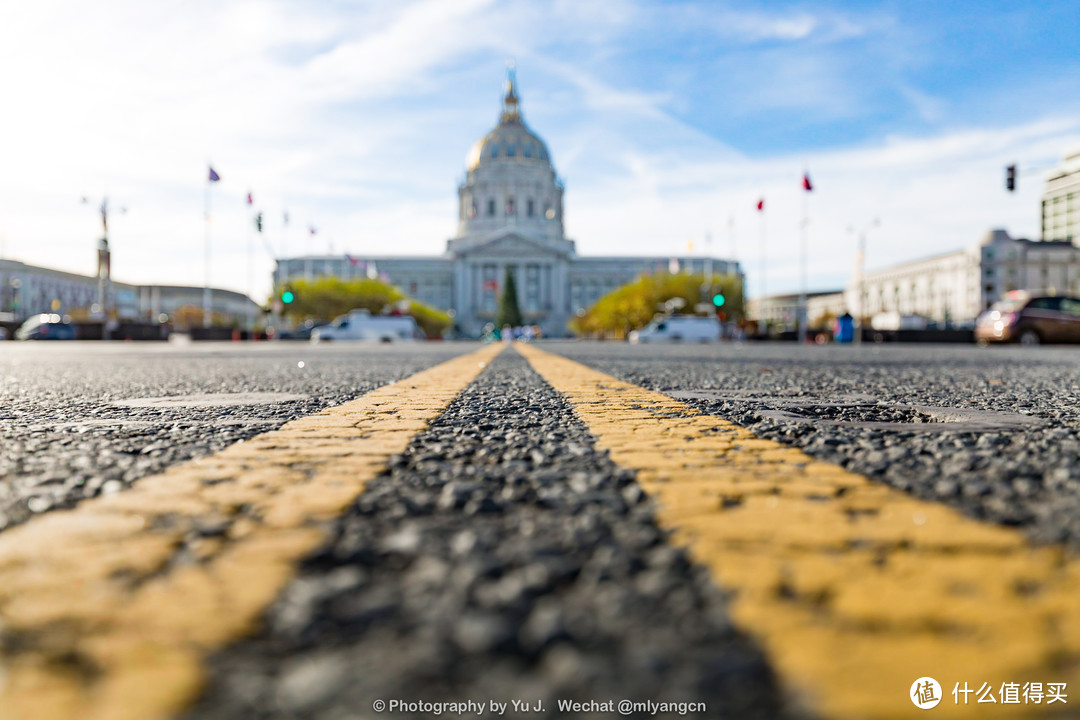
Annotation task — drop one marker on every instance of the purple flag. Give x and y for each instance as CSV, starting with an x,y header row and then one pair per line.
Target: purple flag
x,y
214,177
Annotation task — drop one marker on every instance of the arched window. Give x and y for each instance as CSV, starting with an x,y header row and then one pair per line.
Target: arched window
x,y
510,206
528,152
491,207
511,150
494,151
529,207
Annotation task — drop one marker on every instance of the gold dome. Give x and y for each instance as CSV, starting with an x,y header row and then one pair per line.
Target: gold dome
x,y
511,140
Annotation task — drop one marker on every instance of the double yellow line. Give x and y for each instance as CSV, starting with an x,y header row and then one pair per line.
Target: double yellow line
x,y
855,590
108,610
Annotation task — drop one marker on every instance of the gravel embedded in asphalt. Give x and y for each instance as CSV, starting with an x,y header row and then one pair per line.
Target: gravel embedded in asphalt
x,y
1027,477
501,557
62,440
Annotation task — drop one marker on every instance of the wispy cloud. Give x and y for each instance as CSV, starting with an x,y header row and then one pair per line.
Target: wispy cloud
x,y
663,119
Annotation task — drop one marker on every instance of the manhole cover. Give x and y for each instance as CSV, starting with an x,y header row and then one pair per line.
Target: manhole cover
x,y
210,400
917,418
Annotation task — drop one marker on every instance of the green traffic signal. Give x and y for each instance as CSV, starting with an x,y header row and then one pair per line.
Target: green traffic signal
x,y
718,300
287,297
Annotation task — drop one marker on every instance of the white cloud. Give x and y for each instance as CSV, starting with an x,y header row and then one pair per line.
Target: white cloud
x,y
930,194
357,120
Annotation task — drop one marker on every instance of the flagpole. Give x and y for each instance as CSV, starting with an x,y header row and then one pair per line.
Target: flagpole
x,y
731,235
250,268
206,285
861,288
708,259
802,269
764,255
307,255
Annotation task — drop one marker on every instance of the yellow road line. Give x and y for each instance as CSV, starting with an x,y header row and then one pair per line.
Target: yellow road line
x,y
107,610
854,589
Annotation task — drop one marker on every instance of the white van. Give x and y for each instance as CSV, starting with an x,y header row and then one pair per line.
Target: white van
x,y
895,321
679,328
362,325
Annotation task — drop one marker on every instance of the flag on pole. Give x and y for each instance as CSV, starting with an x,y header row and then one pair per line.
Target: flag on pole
x,y
250,200
354,261
806,182
214,177
311,229
761,204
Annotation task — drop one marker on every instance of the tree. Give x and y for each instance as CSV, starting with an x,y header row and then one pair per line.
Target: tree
x,y
325,298
632,306
509,312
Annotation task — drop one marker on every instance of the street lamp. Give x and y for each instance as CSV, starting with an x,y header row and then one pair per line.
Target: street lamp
x,y
104,259
860,268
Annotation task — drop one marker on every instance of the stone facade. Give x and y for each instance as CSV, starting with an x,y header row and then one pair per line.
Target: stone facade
x,y
955,287
510,217
1061,202
950,289
27,290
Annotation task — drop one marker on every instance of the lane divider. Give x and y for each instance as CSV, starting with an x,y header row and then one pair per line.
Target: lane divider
x,y
855,590
107,610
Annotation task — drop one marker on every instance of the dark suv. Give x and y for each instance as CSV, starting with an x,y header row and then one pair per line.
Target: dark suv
x,y
1031,319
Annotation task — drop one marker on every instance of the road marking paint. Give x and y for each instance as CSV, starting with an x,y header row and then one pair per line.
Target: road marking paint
x,y
107,610
854,589
210,400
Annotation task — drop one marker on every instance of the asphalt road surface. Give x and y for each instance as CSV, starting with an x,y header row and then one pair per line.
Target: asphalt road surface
x,y
504,554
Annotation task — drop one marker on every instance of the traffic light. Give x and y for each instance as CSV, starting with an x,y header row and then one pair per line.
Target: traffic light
x,y
718,300
287,296
1010,178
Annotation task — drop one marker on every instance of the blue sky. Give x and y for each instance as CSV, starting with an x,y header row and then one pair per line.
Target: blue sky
x,y
666,121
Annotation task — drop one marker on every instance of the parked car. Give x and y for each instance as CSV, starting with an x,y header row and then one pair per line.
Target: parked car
x,y
46,326
362,325
678,328
1030,319
301,333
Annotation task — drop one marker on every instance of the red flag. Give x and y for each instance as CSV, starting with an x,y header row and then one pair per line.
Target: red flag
x,y
250,201
761,204
806,182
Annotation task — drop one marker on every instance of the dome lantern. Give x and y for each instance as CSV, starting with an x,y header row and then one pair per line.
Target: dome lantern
x,y
511,141
511,112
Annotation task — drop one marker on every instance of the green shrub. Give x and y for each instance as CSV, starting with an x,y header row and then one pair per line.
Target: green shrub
x,y
324,298
632,306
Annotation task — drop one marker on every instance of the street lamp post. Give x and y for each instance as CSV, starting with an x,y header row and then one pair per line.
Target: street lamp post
x,y
104,261
860,286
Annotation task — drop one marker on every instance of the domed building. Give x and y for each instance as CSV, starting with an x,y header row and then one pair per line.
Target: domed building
x,y
510,219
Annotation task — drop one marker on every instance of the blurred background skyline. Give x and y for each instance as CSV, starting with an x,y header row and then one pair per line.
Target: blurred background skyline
x,y
665,121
